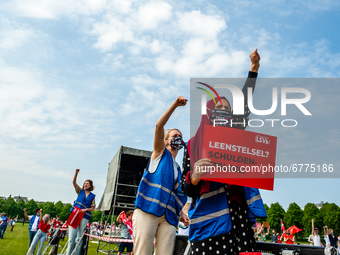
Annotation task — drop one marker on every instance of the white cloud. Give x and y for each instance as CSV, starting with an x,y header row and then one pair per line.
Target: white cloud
x,y
121,6
11,39
14,35
147,96
155,46
110,32
33,110
53,9
152,13
198,24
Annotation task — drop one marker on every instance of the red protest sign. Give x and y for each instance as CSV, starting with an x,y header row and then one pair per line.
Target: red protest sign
x,y
239,157
75,217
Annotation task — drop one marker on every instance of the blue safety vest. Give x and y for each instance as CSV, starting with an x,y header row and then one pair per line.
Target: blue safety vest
x,y
4,219
209,215
84,202
156,193
32,221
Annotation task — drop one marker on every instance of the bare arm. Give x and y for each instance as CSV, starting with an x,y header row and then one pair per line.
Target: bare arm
x,y
325,230
40,215
75,185
158,142
184,218
255,61
89,209
118,219
313,232
25,214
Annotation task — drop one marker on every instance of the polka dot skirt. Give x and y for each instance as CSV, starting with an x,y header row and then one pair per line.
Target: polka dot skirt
x,y
239,239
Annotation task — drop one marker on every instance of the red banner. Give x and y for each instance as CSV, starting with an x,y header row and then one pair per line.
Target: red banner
x,y
75,217
127,223
239,157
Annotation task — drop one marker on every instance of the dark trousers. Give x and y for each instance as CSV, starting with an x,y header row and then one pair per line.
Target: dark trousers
x,y
2,231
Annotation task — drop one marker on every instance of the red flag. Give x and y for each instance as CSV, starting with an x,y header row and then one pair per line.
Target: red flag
x,y
294,229
283,227
127,223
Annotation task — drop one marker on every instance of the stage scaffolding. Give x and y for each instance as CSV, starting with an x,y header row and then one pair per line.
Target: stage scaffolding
x,y
124,174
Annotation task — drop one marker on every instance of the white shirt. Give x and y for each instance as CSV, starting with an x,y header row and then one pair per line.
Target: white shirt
x,y
154,164
316,240
35,223
327,240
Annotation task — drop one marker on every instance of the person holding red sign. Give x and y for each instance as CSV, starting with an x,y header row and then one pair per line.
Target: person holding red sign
x,y
125,220
86,203
160,198
221,215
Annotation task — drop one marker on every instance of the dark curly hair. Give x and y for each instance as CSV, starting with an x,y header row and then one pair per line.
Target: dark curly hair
x,y
91,184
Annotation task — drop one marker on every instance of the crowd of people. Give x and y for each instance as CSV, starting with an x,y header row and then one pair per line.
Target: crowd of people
x,y
40,227
218,211
287,236
221,215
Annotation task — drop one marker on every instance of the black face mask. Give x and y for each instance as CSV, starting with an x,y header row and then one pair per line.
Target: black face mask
x,y
221,115
177,143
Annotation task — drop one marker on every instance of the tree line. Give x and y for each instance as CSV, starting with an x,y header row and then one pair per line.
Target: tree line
x,y
13,209
328,215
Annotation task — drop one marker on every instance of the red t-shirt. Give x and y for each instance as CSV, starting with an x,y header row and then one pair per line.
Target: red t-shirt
x,y
56,224
44,227
289,239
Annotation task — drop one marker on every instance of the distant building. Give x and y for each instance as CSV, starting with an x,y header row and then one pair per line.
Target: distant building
x,y
3,198
17,198
319,205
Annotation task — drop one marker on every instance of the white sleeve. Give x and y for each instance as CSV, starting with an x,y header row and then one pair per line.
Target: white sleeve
x,y
154,164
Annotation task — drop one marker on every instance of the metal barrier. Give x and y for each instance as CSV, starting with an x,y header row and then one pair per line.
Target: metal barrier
x,y
282,249
183,247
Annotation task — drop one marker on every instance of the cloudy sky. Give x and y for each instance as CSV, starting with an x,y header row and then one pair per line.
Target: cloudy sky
x,y
79,79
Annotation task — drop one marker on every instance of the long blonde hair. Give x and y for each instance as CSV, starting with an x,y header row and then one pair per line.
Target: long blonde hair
x,y
167,134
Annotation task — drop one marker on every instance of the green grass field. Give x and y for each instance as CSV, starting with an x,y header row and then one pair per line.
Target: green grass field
x,y
16,242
